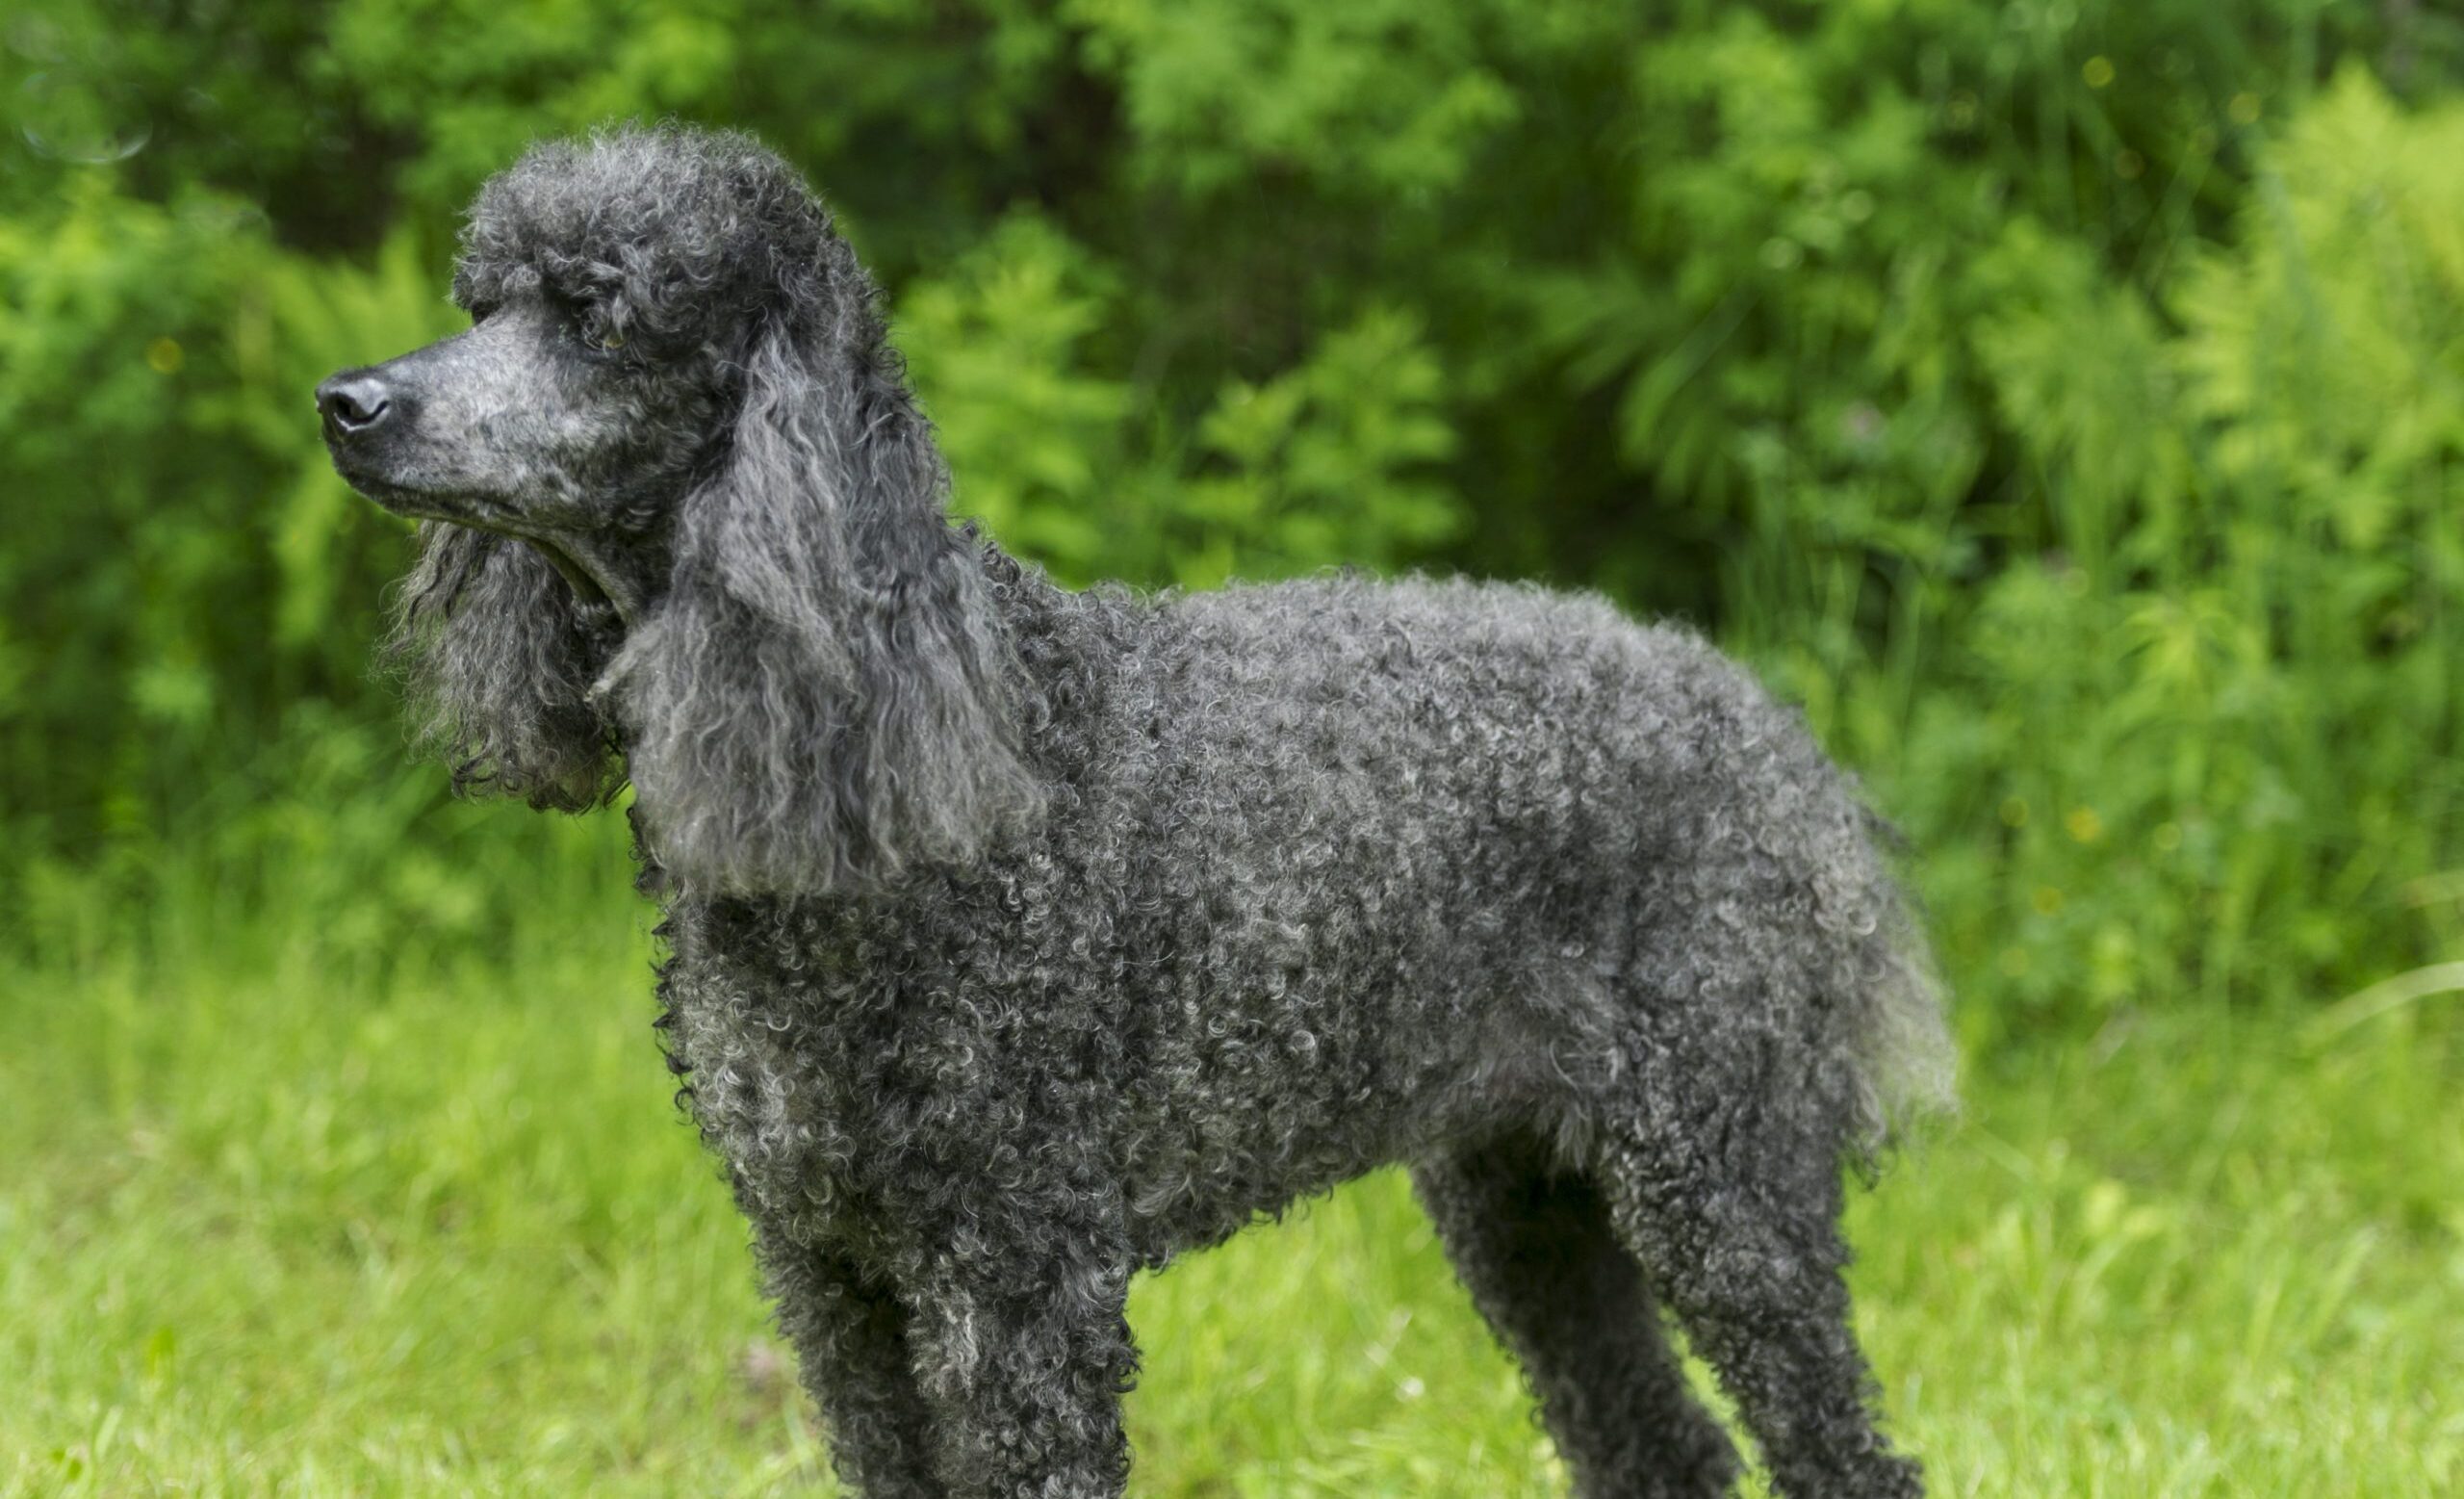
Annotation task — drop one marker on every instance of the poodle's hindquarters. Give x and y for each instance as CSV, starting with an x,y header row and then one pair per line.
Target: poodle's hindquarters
x,y
1770,1018
1712,1174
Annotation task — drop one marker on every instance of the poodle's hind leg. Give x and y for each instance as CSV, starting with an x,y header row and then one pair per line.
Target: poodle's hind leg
x,y
1535,1247
1738,1226
850,1341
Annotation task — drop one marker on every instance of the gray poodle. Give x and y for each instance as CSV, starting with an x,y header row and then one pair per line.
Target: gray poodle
x,y
1022,938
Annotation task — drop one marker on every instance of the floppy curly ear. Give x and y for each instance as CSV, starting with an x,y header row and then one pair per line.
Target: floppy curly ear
x,y
500,666
825,698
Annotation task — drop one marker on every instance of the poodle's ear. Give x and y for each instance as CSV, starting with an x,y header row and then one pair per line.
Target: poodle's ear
x,y
499,667
825,698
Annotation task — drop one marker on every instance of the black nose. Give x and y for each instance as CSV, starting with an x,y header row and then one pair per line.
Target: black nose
x,y
352,404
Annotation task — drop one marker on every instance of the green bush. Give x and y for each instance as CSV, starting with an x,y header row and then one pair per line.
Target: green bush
x,y
2061,399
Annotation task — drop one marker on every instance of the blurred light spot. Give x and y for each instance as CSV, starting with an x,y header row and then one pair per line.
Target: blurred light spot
x,y
225,216
72,119
2167,837
1961,112
2244,109
2015,813
2202,142
2084,825
2013,962
2046,900
1857,205
165,356
2098,71
1782,253
2128,163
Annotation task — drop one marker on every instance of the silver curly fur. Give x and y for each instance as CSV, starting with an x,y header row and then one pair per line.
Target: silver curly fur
x,y
1021,939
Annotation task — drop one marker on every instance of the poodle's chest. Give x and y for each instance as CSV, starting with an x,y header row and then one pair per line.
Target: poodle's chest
x,y
788,1125
783,1071
834,1085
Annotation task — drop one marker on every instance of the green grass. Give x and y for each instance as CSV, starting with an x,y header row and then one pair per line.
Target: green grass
x,y
318,1231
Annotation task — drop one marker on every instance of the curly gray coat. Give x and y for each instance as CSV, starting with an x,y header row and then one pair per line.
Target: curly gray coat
x,y
1024,939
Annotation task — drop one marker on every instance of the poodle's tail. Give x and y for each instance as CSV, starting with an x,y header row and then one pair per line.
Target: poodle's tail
x,y
1900,1044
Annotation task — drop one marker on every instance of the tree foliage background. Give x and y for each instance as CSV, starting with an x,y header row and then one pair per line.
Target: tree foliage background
x,y
2062,399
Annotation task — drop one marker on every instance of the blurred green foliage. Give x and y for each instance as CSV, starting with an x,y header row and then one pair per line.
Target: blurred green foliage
x,y
2063,398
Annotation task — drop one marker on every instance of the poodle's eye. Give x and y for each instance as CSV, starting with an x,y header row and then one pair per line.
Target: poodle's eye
x,y
593,325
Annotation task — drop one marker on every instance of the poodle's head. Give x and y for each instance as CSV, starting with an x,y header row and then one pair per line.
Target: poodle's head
x,y
681,521
618,290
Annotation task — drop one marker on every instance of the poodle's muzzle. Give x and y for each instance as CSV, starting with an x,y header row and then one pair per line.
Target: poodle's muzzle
x,y
365,417
371,422
470,430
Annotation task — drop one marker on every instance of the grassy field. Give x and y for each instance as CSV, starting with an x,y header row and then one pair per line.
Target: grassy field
x,y
289,1229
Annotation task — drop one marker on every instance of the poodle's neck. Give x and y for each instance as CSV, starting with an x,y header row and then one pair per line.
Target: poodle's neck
x,y
1024,597
1066,645
1041,622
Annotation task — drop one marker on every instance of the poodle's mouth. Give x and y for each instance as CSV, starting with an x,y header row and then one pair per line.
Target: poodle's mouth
x,y
459,509
410,501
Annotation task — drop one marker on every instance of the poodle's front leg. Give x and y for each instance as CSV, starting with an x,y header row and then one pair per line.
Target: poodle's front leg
x,y
1023,1347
